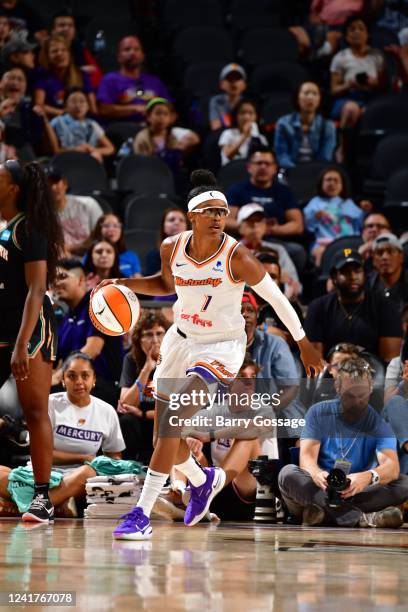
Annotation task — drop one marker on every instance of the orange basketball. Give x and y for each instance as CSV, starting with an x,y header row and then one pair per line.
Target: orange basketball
x,y
114,310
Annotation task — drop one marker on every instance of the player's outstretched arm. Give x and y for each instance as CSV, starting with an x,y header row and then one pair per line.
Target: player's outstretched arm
x,y
161,283
246,267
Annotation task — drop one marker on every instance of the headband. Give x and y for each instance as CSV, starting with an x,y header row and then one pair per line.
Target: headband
x,y
15,170
204,197
155,101
249,297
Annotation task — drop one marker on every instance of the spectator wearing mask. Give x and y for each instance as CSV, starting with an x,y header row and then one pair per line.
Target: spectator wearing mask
x,y
160,138
64,24
374,225
78,214
357,74
352,314
346,433
74,131
389,276
331,214
57,74
233,83
123,95
252,229
101,262
174,221
110,227
76,333
237,141
304,135
136,404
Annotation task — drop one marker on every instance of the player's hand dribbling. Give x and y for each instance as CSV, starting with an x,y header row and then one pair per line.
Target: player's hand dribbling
x,y
106,281
20,362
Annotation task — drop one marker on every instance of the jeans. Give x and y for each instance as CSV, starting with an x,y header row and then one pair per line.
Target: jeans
x,y
396,413
299,491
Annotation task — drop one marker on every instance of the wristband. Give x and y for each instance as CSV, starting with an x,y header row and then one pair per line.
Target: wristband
x,y
140,388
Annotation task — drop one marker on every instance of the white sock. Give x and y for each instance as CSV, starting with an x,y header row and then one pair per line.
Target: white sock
x,y
152,487
193,471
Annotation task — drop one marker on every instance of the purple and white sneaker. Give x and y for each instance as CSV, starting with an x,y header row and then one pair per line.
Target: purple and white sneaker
x,y
202,496
136,526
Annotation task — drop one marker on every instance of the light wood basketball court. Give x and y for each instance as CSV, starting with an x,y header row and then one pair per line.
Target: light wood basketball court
x,y
225,568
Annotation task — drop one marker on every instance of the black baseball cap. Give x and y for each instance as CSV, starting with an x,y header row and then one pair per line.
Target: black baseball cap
x,y
344,257
53,173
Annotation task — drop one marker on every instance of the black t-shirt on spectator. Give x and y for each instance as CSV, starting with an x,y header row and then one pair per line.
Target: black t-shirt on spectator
x,y
130,372
398,293
373,318
276,199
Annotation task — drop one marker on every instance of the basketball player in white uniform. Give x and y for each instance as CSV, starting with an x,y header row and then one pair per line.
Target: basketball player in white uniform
x,y
206,345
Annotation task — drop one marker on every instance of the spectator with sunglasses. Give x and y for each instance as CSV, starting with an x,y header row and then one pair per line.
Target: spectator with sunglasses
x,y
123,95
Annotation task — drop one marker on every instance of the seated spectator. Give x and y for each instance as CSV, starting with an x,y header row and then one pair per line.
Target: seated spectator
x,y
18,53
357,73
5,29
76,333
78,214
389,276
233,82
331,214
136,404
172,144
352,314
74,131
397,369
374,225
69,412
109,226
283,216
174,221
324,383
304,135
237,141
346,433
64,24
125,93
56,75
267,316
322,34
101,262
252,228
24,18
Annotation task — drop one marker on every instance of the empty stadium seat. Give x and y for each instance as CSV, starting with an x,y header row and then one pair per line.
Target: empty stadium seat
x,y
243,15
179,14
268,79
194,45
391,154
120,131
84,174
266,45
231,173
275,107
141,241
202,79
144,212
144,175
302,179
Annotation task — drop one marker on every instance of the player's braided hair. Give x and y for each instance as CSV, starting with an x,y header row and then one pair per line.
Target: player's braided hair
x,y
36,200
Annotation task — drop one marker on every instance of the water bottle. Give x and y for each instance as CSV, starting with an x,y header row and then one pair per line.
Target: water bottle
x,y
100,41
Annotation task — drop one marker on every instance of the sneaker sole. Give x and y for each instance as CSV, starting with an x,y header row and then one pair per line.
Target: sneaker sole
x,y
216,488
31,518
137,535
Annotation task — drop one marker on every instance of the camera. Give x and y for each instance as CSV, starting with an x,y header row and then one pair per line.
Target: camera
x,y
265,470
337,482
362,78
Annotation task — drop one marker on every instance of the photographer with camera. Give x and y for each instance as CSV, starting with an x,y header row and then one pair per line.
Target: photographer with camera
x,y
349,474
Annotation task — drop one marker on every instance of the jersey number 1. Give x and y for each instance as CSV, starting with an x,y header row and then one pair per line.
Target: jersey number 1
x,y
206,304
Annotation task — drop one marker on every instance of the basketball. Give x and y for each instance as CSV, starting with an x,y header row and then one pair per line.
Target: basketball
x,y
114,310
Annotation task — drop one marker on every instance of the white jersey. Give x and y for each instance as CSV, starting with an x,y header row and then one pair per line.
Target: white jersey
x,y
208,306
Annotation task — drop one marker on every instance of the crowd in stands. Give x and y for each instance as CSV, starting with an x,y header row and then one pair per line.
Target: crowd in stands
x,y
292,136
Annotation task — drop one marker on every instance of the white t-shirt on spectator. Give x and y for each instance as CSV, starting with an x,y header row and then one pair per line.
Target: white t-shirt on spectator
x,y
79,218
231,136
84,430
348,65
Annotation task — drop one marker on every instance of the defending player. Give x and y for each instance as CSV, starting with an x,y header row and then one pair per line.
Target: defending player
x,y
30,243
206,345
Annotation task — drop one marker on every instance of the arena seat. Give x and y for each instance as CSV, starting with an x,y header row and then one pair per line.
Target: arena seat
x,y
144,175
265,45
267,79
144,212
179,14
391,154
119,131
302,179
242,15
202,79
233,172
396,200
204,44
84,173
345,242
275,107
141,241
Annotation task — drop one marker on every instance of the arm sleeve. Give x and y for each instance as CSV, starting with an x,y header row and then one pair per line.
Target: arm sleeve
x,y
270,292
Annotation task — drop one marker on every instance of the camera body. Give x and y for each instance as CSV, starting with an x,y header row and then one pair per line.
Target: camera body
x,y
266,473
337,482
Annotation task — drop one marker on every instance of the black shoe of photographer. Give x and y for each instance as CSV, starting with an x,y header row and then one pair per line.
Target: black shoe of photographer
x,y
14,431
389,518
313,516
